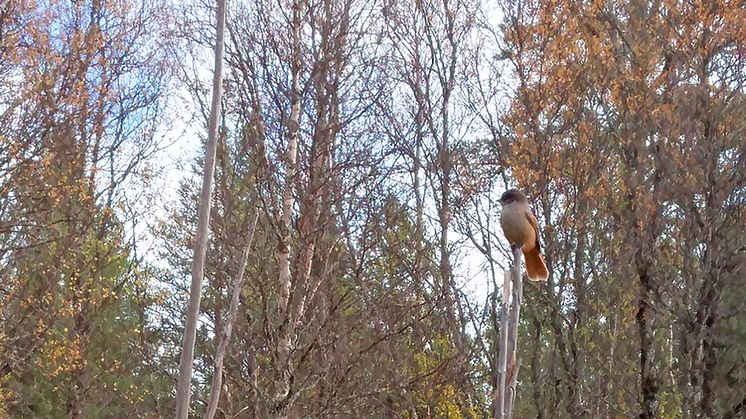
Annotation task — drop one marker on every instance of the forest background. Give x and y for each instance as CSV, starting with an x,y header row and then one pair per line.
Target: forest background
x,y
363,146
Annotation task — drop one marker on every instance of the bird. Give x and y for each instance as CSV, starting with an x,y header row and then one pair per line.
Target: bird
x,y
521,229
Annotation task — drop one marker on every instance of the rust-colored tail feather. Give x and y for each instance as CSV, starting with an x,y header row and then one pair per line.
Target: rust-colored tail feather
x,y
536,269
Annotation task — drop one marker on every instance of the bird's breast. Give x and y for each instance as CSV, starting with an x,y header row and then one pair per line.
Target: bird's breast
x,y
516,227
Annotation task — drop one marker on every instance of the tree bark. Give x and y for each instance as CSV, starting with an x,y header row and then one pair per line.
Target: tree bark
x,y
508,361
183,390
502,350
515,314
288,201
647,380
225,337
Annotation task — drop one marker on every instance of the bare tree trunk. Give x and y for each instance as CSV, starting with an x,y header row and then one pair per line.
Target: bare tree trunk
x,y
225,337
508,361
183,390
444,154
444,217
502,346
288,201
644,317
419,228
515,315
647,379
293,127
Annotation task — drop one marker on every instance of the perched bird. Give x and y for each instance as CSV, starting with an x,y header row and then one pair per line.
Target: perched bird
x,y
520,228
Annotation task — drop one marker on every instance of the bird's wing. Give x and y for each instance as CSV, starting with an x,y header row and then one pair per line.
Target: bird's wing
x,y
532,220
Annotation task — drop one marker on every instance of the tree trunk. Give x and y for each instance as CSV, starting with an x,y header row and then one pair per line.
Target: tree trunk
x,y
508,361
514,318
647,380
183,390
225,337
502,351
288,201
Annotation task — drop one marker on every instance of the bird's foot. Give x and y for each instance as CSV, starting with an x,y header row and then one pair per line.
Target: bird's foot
x,y
515,246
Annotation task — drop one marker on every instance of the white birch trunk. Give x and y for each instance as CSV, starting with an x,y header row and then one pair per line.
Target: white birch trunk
x,y
288,201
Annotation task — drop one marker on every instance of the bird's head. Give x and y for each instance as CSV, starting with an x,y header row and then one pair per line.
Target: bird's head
x,y
512,195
